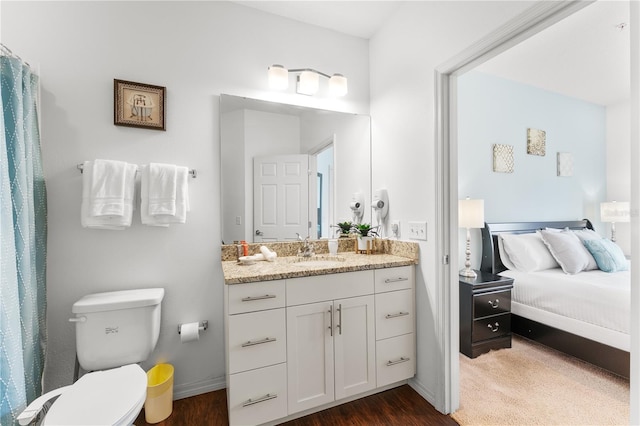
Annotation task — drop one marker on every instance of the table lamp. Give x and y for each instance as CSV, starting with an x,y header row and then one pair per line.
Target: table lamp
x,y
470,215
613,212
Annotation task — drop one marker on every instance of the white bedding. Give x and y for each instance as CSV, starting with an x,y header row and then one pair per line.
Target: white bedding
x,y
592,304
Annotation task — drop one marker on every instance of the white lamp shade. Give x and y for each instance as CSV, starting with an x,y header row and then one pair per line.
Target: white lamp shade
x,y
613,211
338,85
308,82
471,213
278,77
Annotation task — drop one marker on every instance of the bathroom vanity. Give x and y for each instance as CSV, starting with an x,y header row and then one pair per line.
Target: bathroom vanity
x,y
300,339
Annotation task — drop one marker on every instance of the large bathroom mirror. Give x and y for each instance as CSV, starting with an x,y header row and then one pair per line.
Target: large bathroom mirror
x,y
289,170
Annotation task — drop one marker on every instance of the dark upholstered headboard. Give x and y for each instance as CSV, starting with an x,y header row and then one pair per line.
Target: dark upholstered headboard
x,y
491,261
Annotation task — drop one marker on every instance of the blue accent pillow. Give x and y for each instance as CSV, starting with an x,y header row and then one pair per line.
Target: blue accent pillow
x,y
608,255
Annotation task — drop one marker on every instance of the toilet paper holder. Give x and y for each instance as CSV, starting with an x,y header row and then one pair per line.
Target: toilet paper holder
x,y
202,326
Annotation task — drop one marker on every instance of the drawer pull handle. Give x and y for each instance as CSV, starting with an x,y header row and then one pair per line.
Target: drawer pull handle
x,y
395,280
398,361
267,397
259,342
251,298
331,320
495,304
340,318
494,328
399,314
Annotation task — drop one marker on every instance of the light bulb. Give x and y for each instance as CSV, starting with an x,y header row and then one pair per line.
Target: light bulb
x,y
278,77
338,85
308,82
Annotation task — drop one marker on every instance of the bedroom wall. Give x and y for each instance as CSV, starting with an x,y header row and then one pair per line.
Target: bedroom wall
x,y
197,50
493,110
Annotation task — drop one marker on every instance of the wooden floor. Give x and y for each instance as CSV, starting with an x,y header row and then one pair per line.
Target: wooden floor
x,y
398,406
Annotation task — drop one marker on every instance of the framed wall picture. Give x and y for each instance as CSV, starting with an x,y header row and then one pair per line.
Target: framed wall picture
x,y
138,105
503,158
536,142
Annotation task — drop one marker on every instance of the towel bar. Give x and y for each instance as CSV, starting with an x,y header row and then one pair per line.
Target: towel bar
x,y
192,172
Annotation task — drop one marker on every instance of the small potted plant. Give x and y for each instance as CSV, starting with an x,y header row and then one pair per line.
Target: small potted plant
x,y
365,233
344,228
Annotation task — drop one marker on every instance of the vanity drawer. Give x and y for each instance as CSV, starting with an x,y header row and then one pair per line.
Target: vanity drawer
x,y
394,314
494,303
321,288
490,327
258,396
253,297
395,359
257,339
389,279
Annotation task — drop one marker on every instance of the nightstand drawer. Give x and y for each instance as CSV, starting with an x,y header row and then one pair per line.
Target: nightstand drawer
x,y
490,327
494,303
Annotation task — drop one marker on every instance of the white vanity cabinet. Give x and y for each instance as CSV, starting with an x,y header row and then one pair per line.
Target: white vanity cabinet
x,y
331,338
301,344
255,336
395,324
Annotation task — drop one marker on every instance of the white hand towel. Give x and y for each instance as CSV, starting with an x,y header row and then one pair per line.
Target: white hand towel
x,y
181,199
107,188
162,189
113,222
145,217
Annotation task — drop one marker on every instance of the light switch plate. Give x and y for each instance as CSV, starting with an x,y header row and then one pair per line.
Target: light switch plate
x,y
418,231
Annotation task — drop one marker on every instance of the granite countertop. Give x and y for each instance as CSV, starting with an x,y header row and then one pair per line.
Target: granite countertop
x,y
287,267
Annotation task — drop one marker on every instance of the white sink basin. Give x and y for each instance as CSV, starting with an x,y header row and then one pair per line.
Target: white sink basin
x,y
318,262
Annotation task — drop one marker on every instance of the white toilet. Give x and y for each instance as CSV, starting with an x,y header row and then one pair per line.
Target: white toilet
x,y
114,331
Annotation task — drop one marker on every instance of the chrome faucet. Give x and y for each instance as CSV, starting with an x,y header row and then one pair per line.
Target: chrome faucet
x,y
307,248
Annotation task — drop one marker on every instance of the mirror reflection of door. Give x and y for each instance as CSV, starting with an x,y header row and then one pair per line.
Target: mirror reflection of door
x,y
325,190
280,197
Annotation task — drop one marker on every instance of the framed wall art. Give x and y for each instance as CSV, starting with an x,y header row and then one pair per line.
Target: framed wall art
x,y
536,142
503,158
138,105
565,164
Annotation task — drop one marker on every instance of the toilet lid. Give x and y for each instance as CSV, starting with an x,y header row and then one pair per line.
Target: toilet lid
x,y
101,398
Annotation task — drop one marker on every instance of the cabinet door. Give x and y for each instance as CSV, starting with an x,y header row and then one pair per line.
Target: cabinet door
x,y
354,339
310,355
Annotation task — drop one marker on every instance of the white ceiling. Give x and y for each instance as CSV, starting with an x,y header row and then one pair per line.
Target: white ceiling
x,y
357,18
584,56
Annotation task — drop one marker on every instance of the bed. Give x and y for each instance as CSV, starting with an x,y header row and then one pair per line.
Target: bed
x,y
584,314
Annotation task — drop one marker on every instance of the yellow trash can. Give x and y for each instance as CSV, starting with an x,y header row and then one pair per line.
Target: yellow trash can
x,y
159,403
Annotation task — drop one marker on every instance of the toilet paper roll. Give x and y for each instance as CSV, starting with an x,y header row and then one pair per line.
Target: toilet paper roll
x,y
189,332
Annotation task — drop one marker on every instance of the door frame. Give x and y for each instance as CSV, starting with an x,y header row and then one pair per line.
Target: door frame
x,y
530,22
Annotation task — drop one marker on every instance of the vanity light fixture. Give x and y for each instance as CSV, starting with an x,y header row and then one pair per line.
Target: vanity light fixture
x,y
307,80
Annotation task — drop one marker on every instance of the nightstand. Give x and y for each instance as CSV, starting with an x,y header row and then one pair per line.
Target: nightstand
x,y
485,313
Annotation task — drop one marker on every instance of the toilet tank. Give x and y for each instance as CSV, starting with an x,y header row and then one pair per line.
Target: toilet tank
x,y
117,328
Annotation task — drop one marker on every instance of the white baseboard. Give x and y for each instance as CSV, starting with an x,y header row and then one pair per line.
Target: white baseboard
x,y
423,391
193,389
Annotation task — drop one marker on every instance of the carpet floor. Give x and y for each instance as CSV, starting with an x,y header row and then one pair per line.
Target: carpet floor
x,y
531,384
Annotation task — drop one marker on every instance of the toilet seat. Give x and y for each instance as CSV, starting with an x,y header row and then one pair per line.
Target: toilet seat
x,y
109,397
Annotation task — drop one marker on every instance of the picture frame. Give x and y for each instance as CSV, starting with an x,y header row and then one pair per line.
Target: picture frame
x,y
138,105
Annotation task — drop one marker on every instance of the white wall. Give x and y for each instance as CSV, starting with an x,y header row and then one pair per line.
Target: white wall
x,y
418,38
619,166
197,50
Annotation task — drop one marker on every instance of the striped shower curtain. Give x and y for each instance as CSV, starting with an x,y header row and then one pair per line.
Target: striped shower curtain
x,y
23,232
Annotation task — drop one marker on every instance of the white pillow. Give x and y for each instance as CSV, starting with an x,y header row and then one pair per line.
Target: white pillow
x,y
569,251
504,256
527,252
